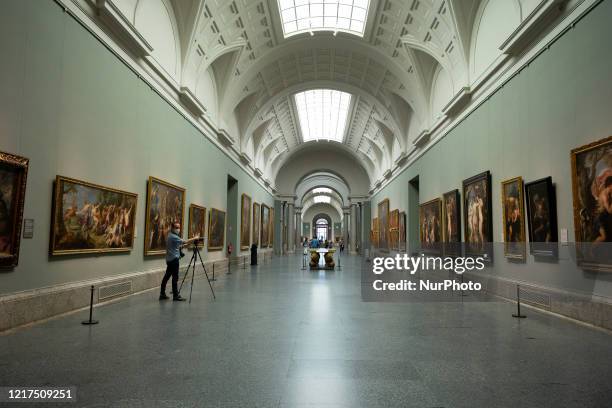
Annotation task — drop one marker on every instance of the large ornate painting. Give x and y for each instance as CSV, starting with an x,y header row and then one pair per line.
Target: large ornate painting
x,y
592,188
165,206
513,218
402,231
383,225
451,225
265,225
271,229
216,229
245,222
451,204
394,229
13,177
430,225
374,232
88,218
256,215
542,217
478,226
197,223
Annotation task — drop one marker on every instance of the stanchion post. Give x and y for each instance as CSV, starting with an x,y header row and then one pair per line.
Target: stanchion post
x,y
91,321
518,314
213,278
229,266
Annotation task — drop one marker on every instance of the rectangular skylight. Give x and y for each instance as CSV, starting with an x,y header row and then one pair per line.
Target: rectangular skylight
x,y
300,16
323,114
322,199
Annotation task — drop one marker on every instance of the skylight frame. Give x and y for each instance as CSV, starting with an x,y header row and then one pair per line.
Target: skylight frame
x,y
323,114
322,199
309,16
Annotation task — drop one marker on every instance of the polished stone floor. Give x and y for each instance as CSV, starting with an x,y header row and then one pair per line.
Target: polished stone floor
x,y
278,336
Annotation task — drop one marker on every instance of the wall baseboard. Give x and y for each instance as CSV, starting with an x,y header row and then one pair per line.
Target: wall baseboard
x,y
30,306
591,310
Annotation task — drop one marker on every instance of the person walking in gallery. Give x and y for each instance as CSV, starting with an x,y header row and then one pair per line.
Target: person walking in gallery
x,y
174,243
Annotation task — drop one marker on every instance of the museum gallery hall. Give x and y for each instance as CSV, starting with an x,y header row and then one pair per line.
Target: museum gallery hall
x,y
306,203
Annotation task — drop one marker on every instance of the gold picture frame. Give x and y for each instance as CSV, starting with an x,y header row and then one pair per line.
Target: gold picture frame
x,y
13,181
591,167
84,228
216,229
265,225
513,218
383,225
197,223
394,229
245,221
256,215
165,205
430,225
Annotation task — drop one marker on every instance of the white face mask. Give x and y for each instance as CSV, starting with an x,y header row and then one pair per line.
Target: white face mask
x,y
176,231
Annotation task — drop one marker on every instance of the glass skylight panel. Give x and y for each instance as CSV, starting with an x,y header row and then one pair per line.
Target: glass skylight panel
x,y
300,16
322,199
322,190
323,114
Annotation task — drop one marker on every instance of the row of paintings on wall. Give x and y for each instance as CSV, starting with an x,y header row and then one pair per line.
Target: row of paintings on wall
x,y
89,218
440,218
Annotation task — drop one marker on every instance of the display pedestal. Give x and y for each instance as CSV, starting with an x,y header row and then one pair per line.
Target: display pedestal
x,y
322,258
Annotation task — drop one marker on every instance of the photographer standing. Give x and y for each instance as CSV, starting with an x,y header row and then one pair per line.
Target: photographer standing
x,y
174,243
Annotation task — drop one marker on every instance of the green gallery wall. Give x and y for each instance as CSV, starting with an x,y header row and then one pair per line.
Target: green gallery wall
x,y
560,101
74,109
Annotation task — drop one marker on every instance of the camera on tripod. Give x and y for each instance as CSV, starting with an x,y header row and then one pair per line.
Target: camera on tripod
x,y
198,241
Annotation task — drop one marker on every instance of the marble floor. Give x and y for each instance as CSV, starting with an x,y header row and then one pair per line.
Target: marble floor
x,y
278,336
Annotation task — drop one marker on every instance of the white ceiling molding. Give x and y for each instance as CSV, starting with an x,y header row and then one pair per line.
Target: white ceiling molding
x,y
459,101
224,137
120,25
244,158
191,102
533,24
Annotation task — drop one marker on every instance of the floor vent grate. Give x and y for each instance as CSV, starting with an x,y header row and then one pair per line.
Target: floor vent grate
x,y
114,290
535,297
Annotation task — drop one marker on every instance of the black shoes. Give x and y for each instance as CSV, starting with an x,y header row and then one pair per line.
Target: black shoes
x,y
176,298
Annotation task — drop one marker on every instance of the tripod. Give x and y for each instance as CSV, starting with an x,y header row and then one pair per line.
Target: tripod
x,y
192,264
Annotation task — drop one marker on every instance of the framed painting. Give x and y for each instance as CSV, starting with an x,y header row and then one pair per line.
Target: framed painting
x,y
402,231
271,229
451,236
256,215
542,217
13,178
592,193
88,218
513,217
430,225
375,232
197,222
165,206
216,229
265,225
245,222
477,210
394,229
383,225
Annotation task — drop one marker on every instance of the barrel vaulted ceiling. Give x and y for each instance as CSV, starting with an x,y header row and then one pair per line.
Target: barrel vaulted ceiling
x,y
415,59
